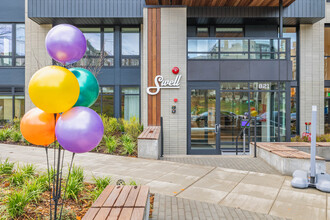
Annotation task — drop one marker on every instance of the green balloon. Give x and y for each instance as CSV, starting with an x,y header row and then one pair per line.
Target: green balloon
x,y
89,87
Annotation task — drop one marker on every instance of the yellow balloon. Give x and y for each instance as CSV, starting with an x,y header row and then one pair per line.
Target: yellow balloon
x,y
254,113
54,89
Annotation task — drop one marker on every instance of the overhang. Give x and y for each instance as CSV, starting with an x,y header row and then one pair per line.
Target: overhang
x,y
221,3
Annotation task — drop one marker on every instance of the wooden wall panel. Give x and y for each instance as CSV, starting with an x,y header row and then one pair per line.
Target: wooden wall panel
x,y
154,59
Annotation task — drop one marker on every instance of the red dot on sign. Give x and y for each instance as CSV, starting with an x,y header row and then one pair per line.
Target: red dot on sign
x,y
175,70
175,100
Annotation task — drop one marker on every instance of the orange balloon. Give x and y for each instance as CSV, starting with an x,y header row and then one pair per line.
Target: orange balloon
x,y
38,127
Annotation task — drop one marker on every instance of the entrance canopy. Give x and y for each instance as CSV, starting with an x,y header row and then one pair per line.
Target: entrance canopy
x,y
221,3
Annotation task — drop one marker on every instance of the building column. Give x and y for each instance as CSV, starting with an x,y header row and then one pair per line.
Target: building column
x,y
164,46
311,74
36,55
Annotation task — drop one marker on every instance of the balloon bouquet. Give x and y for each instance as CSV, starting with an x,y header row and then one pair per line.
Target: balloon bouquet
x,y
63,97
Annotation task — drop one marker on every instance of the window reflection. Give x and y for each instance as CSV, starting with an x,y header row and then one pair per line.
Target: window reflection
x,y
108,41
130,39
5,39
20,39
93,37
130,103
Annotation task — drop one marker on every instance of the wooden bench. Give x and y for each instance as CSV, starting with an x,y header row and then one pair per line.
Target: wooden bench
x,y
149,143
150,133
121,202
286,159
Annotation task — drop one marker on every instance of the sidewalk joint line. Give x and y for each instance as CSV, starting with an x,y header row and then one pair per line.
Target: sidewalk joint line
x,y
195,181
279,190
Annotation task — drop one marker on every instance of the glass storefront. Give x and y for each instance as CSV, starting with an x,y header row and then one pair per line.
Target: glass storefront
x,y
221,113
11,104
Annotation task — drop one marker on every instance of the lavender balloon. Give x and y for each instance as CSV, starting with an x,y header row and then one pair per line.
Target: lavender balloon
x,y
66,44
79,130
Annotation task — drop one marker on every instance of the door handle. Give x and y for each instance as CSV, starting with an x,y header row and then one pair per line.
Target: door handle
x,y
216,128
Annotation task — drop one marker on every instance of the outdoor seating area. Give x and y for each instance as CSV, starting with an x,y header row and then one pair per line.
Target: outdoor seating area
x,y
286,159
121,202
149,143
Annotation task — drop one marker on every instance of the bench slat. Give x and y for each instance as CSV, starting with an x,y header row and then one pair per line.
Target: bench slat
x,y
142,197
126,214
114,214
138,214
102,214
91,213
123,196
103,197
131,199
113,196
151,132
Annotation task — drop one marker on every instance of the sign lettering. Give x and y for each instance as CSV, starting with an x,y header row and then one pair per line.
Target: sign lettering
x,y
160,83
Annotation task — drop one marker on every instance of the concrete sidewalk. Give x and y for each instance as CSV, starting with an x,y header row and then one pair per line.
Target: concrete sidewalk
x,y
251,191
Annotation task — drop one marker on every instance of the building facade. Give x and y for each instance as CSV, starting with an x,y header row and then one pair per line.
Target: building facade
x,y
202,66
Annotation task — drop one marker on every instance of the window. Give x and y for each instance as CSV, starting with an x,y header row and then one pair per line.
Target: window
x,y
105,102
202,32
130,102
291,32
130,47
327,53
109,47
293,113
229,32
12,51
203,49
11,104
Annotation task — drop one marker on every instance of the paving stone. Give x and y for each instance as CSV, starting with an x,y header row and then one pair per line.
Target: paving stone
x,y
192,209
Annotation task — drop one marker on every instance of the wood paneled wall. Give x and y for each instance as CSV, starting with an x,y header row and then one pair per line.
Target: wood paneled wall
x,y
154,59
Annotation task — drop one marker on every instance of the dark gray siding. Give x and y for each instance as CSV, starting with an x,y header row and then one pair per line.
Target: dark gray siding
x,y
301,11
42,11
12,11
12,77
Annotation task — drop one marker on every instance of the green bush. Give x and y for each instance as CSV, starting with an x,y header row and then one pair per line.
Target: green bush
x,y
28,170
125,139
35,188
17,178
16,124
5,134
16,136
6,167
111,143
128,148
133,128
75,183
16,203
100,185
111,125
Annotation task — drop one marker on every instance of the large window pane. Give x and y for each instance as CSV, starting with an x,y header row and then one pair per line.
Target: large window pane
x,y
234,45
203,45
294,68
263,45
6,109
130,41
19,106
93,37
20,39
130,102
108,105
5,39
290,32
108,42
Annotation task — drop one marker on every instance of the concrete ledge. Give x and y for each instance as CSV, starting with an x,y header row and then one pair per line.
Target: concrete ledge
x,y
149,143
286,165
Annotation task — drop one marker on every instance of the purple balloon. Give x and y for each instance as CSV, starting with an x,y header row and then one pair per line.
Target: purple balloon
x,y
66,44
79,130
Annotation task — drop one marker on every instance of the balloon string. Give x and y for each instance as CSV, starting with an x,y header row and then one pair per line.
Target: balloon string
x,y
66,184
50,195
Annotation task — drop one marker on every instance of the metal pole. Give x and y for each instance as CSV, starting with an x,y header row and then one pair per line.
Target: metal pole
x,y
313,144
255,136
244,141
280,7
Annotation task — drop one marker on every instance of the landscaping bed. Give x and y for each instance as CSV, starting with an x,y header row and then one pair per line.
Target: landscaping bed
x,y
120,136
24,193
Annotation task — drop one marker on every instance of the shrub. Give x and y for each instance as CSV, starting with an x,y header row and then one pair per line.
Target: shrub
x,y
35,188
16,136
16,203
5,134
133,128
111,125
16,124
100,183
111,143
128,148
75,183
6,167
125,139
17,179
28,170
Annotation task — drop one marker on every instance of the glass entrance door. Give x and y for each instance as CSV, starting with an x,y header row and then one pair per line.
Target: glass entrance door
x,y
204,120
